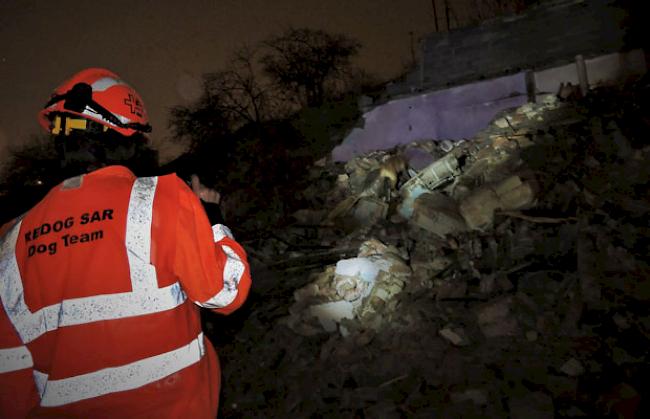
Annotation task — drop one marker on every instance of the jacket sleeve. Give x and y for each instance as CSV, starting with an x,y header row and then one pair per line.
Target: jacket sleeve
x,y
17,387
212,266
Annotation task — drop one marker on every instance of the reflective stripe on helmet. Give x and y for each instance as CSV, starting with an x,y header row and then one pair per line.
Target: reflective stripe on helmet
x,y
114,379
97,115
104,83
146,297
14,359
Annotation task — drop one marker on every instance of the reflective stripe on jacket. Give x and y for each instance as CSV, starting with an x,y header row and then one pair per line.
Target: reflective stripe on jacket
x,y
99,283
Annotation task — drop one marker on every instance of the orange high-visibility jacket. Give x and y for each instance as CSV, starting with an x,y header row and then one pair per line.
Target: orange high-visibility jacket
x,y
100,284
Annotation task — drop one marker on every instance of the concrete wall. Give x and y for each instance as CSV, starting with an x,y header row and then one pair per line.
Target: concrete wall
x,y
453,113
443,99
601,70
545,36
460,112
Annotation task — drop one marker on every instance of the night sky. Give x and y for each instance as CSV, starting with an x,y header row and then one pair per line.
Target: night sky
x,y
162,47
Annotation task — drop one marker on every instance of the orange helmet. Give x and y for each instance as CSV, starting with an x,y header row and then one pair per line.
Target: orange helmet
x,y
98,95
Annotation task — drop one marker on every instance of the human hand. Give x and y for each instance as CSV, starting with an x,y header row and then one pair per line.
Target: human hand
x,y
203,192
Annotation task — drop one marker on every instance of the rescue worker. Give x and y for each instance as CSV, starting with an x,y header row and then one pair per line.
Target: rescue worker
x,y
102,279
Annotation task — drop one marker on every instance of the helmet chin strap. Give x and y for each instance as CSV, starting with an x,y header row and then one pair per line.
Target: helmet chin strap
x,y
80,96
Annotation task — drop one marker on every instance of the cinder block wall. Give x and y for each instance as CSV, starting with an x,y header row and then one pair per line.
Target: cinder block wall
x,y
547,35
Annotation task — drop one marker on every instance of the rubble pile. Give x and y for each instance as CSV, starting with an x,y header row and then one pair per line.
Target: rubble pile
x,y
501,276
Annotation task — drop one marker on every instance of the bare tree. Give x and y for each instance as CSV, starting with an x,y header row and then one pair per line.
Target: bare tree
x,y
243,97
231,98
309,64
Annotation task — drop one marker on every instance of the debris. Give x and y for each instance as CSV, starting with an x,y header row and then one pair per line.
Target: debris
x,y
455,335
474,395
572,368
621,321
531,335
478,209
496,319
438,214
330,314
427,179
356,288
488,259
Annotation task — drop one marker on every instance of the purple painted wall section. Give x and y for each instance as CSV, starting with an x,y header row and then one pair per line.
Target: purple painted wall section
x,y
453,114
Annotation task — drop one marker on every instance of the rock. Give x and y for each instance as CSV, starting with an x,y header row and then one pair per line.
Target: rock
x,y
368,210
478,208
504,327
477,396
515,194
495,310
438,214
502,122
456,335
621,321
495,318
572,368
510,194
330,314
450,289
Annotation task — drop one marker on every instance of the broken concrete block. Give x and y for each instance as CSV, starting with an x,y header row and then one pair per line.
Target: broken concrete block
x,y
438,214
508,184
478,396
510,194
621,321
478,208
354,278
330,314
572,368
495,310
360,289
503,327
502,122
359,267
495,318
514,193
369,210
455,335
531,335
